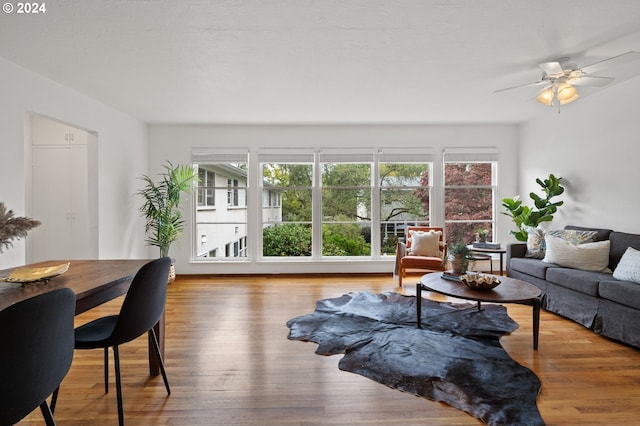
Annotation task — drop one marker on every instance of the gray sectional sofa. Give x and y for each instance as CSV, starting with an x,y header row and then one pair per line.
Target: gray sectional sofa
x,y
596,300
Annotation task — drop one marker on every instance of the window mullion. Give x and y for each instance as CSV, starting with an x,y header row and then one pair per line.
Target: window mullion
x,y
316,202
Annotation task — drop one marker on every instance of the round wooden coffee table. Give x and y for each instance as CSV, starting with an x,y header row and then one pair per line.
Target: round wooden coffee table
x,y
510,290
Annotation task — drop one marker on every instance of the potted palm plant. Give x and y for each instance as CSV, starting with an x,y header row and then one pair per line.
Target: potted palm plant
x,y
161,206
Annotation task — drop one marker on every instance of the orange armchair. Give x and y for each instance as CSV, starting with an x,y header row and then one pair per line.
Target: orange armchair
x,y
424,249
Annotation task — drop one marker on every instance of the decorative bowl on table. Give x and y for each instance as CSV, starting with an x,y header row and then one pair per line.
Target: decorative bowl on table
x,y
27,274
480,281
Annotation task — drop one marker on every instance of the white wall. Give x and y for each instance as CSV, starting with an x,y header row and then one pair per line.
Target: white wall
x,y
594,145
175,142
122,144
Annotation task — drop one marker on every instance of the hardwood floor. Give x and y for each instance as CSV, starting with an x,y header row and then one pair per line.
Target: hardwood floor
x,y
229,362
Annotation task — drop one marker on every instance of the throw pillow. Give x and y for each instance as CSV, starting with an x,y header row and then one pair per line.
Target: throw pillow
x,y
586,256
535,242
574,236
425,243
628,268
536,239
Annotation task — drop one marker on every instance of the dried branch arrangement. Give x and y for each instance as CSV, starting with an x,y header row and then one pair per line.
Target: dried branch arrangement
x,y
13,228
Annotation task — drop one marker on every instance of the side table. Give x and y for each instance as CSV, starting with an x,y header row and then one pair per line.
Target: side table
x,y
487,251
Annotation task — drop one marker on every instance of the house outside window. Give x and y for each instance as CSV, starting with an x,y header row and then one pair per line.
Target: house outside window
x,y
221,233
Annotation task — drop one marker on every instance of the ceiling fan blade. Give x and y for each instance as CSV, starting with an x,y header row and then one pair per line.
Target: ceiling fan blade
x,y
613,61
537,83
551,68
592,80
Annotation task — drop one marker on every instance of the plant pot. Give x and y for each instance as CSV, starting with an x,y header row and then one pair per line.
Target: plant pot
x,y
458,264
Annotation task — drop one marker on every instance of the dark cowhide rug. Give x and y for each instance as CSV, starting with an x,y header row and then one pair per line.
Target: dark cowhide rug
x,y
456,356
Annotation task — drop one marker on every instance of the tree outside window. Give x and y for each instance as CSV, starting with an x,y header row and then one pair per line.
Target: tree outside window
x,y
346,209
404,200
287,226
468,200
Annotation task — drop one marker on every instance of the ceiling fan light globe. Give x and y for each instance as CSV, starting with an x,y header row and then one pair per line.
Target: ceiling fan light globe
x,y
566,93
569,100
546,97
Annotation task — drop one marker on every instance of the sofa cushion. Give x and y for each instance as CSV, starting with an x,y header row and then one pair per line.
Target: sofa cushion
x,y
619,243
533,267
628,269
575,279
601,234
624,292
587,256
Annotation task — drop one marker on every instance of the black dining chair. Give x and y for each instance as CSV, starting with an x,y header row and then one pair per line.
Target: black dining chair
x,y
37,350
142,308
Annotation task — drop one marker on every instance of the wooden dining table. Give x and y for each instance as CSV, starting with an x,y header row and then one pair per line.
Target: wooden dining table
x,y
93,281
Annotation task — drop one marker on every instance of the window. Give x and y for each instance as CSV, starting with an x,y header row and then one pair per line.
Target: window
x,y
346,203
236,248
405,191
236,192
287,202
273,199
206,187
221,232
469,194
312,204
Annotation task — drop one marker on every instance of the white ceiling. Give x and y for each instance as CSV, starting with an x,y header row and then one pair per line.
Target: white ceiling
x,y
317,61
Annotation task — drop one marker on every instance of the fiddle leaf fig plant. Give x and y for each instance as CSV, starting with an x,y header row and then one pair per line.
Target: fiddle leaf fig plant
x,y
543,209
161,204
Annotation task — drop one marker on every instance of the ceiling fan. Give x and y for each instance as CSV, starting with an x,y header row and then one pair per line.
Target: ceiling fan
x,y
560,77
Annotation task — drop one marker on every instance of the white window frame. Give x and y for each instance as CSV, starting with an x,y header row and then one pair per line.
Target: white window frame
x,y
251,242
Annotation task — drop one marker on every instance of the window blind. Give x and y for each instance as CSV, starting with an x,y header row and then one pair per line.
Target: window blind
x,y
207,155
406,156
480,154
